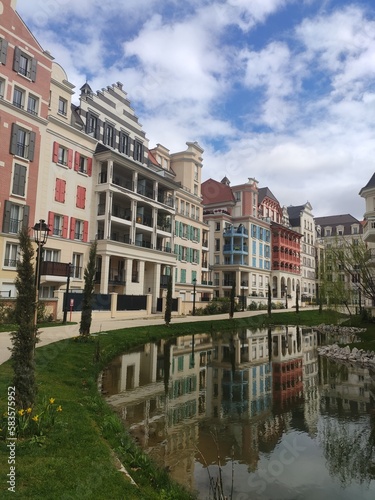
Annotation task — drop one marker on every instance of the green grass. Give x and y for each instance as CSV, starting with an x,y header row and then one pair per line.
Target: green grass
x,y
76,459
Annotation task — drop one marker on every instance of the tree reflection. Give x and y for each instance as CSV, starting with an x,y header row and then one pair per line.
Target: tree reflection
x,y
349,450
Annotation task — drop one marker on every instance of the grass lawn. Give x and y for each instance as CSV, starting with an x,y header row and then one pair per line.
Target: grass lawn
x,y
76,459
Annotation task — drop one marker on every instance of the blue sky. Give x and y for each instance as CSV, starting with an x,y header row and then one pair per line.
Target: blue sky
x,y
279,90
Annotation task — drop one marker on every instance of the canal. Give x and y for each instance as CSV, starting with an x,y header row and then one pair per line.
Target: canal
x,y
255,411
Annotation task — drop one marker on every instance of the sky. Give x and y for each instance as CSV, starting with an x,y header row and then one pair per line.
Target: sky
x,y
282,91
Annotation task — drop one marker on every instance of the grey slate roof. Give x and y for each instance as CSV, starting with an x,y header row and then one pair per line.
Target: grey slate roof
x,y
369,185
266,192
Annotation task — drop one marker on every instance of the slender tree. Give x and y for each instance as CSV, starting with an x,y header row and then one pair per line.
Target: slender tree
x,y
168,305
232,300
25,338
297,298
88,292
269,301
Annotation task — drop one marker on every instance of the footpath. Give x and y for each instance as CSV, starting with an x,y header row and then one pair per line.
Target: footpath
x,y
56,333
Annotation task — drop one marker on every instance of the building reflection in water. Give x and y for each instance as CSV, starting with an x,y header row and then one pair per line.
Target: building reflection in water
x,y
233,395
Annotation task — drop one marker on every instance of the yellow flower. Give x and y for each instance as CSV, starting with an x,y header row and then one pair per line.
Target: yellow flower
x,y
59,408
21,412
35,418
51,401
5,414
29,410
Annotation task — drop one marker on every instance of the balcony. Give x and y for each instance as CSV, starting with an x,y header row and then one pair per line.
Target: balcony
x,y
369,231
235,231
54,268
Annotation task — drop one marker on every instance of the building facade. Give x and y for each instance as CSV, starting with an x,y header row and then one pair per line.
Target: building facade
x,y
25,76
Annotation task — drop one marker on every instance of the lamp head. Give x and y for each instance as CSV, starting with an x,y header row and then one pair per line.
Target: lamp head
x,y
41,231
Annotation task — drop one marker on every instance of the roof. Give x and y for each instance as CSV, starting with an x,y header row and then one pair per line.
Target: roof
x,y
266,193
336,220
369,185
294,215
214,192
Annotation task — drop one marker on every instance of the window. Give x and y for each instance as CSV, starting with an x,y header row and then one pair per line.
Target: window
x,y
22,142
51,255
195,189
60,187
57,225
196,172
18,98
33,105
19,180
24,64
2,88
123,143
15,217
77,263
82,164
138,151
11,255
218,226
81,197
3,51
92,125
47,292
63,106
62,156
109,135
238,195
78,229
217,245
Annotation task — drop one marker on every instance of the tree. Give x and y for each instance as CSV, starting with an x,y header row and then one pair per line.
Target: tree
x,y
297,298
25,338
88,292
269,301
232,300
346,272
168,304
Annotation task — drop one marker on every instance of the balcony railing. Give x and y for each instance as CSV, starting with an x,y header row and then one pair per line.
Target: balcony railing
x,y
52,268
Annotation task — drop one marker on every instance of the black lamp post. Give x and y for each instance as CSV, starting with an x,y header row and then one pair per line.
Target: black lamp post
x,y
194,286
243,294
41,231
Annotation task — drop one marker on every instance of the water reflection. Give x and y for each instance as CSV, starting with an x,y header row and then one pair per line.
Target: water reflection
x,y
259,404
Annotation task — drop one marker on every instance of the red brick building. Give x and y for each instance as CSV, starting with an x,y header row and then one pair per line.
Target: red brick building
x,y
25,76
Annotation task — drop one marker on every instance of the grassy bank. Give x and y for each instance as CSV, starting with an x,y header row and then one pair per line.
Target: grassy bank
x,y
75,460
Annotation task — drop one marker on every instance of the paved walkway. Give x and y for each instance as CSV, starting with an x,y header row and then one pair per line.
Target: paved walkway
x,y
56,333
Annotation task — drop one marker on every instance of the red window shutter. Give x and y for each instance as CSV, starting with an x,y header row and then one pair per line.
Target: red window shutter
x,y
72,227
77,157
55,155
65,226
81,197
51,217
89,167
85,230
57,189
62,193
70,158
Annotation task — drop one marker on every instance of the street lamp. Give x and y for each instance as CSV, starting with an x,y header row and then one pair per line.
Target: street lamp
x,y
243,294
41,231
194,285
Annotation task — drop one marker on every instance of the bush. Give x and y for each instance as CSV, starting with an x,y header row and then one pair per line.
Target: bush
x,y
253,306
6,313
219,306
